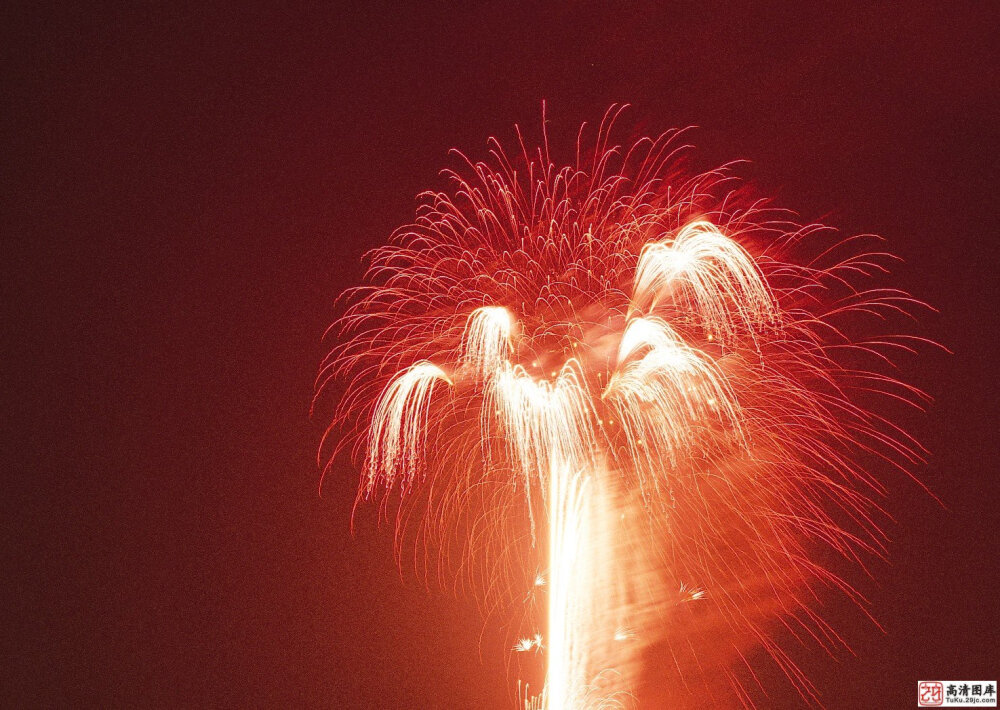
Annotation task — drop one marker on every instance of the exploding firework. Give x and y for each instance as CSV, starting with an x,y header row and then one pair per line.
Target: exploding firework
x,y
610,398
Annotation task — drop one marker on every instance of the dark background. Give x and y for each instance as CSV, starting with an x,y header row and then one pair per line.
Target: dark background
x,y
186,190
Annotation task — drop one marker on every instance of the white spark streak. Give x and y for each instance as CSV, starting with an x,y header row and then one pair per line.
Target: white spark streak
x,y
398,431
711,274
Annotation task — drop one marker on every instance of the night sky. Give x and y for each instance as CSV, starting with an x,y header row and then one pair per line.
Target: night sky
x,y
187,190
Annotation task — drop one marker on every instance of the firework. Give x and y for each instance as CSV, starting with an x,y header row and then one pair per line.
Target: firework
x,y
608,394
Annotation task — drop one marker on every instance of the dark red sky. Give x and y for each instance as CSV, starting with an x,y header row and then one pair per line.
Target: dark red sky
x,y
187,190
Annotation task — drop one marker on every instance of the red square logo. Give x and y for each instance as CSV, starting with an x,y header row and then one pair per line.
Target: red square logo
x,y
930,694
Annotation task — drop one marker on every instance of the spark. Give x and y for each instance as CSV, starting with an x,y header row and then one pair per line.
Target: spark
x,y
690,595
623,633
527,644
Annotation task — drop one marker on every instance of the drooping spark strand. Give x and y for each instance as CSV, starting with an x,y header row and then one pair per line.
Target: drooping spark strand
x,y
398,430
707,273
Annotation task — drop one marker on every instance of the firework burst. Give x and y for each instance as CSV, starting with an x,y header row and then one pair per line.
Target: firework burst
x,y
611,397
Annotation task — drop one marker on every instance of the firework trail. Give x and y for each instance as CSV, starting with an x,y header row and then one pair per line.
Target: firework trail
x,y
608,398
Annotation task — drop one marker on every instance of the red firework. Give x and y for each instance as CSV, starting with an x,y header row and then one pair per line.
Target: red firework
x,y
615,397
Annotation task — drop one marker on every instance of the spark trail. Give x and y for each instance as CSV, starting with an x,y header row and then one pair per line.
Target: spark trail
x,y
609,383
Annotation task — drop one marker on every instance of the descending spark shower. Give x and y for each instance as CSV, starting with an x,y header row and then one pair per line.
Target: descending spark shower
x,y
608,398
